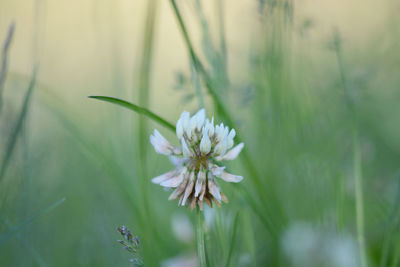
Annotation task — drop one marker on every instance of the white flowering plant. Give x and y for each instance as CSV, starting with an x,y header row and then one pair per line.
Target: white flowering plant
x,y
203,147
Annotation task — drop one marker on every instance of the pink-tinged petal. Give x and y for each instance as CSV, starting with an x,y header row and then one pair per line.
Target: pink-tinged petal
x,y
174,181
201,177
227,177
163,177
231,154
177,161
202,191
178,191
216,170
214,189
160,144
189,188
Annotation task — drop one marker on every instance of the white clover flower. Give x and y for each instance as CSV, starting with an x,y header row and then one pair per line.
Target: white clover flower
x,y
202,146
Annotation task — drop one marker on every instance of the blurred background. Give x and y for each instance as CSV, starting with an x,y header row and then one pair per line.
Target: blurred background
x,y
312,88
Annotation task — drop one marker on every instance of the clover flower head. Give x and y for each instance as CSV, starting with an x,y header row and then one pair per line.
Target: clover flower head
x,y
203,145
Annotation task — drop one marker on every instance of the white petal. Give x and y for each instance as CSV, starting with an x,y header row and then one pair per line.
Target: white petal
x,y
201,116
232,134
163,177
220,149
189,189
178,191
211,129
205,144
231,154
175,180
216,170
227,177
177,161
201,177
179,129
160,144
214,189
202,191
186,152
182,124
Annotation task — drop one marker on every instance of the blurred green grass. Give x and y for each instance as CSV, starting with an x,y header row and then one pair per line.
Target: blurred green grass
x,y
296,82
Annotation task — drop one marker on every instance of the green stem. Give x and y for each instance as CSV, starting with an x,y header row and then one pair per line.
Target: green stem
x,y
201,250
359,198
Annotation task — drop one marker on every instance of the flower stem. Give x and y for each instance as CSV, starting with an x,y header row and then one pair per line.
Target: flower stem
x,y
201,250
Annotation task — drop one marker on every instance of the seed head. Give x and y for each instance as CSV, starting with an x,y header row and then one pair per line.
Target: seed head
x,y
202,146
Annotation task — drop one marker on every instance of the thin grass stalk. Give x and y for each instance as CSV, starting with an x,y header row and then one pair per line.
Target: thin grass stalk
x,y
4,61
357,168
233,240
391,229
359,197
220,6
201,248
144,88
18,126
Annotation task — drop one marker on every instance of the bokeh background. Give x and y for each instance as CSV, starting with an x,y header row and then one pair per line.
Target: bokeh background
x,y
311,86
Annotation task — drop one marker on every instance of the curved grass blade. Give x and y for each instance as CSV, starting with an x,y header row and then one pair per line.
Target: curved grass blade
x,y
137,109
18,125
4,60
7,235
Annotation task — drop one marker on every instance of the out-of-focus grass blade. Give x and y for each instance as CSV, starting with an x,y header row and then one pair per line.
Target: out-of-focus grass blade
x,y
18,126
4,60
233,239
7,235
137,109
391,229
39,260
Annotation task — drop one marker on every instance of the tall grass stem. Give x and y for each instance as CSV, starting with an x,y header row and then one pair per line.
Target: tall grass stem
x,y
201,248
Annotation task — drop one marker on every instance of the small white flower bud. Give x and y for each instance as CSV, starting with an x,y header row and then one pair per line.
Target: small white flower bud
x,y
191,126
211,130
232,134
205,144
179,129
182,123
220,149
186,152
201,116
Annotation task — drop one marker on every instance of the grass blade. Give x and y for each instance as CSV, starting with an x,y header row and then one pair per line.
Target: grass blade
x,y
144,81
7,235
35,255
233,239
391,229
4,60
136,108
19,124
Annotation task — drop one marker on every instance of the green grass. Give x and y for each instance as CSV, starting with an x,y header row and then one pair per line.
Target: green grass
x,y
318,114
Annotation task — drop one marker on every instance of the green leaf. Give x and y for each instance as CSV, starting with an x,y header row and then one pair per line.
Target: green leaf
x,y
136,108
